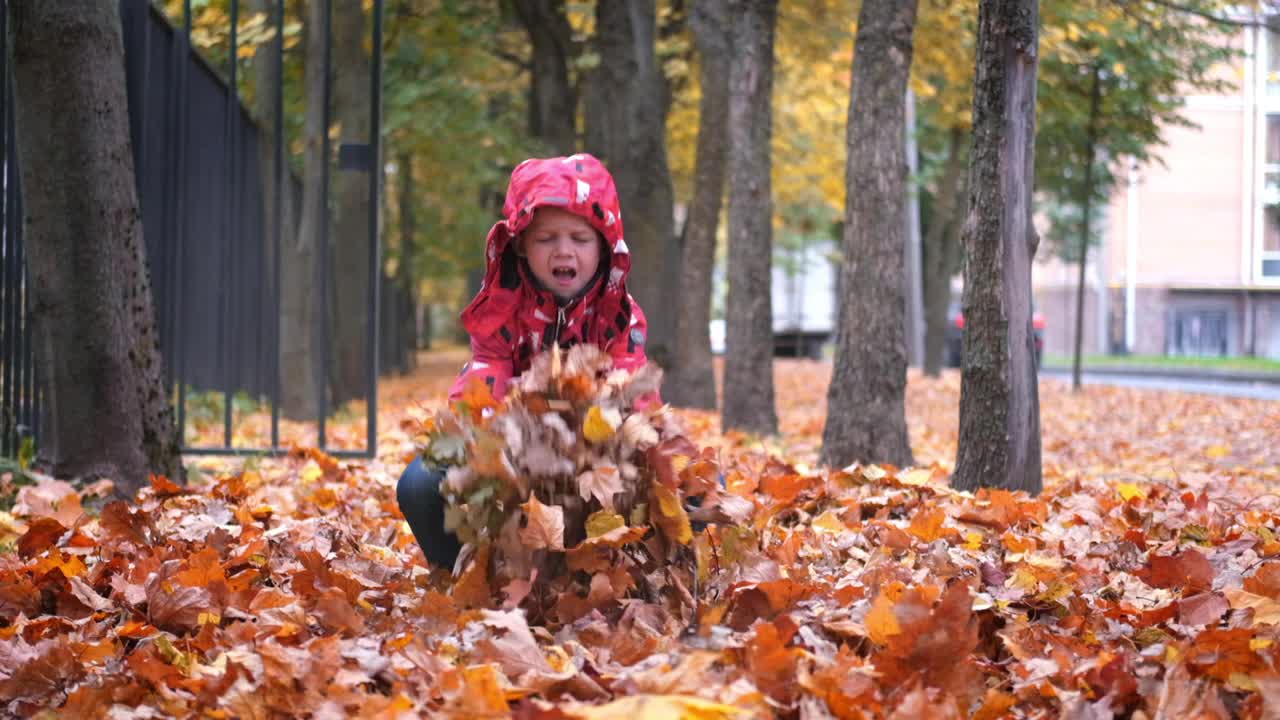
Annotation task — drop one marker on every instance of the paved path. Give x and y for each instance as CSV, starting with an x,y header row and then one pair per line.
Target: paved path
x,y
1256,390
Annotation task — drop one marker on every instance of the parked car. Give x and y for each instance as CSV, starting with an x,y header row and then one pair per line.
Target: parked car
x,y
953,352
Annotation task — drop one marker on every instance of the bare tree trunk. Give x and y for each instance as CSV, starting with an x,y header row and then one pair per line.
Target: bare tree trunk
x,y
1086,205
350,239
626,112
691,379
748,366
941,253
553,101
400,339
866,411
299,297
999,400
106,410
272,150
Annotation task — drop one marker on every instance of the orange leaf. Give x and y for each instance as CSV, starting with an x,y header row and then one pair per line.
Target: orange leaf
x,y
881,622
928,527
164,487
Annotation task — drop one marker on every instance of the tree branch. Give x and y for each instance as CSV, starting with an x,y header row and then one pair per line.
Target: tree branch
x,y
509,57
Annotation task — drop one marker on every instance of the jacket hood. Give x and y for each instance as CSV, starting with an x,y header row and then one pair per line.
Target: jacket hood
x,y
579,184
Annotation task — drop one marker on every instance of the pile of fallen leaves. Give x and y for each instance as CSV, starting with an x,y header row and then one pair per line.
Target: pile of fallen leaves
x,y
554,491
1144,582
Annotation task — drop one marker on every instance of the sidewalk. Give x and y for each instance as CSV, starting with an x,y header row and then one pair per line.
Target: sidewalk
x,y
1217,375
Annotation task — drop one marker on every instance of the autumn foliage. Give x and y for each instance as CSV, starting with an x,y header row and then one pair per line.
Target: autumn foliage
x,y
1146,579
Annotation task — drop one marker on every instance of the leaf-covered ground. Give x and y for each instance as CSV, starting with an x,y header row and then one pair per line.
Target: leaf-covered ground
x,y
1145,580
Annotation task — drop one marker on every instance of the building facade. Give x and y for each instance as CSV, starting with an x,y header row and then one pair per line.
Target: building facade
x,y
1190,256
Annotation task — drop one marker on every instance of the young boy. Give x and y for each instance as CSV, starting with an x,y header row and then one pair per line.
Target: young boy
x,y
556,272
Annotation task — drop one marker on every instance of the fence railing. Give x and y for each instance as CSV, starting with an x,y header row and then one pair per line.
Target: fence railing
x,y
213,246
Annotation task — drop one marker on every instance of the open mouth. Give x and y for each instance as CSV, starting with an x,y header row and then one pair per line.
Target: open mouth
x,y
564,274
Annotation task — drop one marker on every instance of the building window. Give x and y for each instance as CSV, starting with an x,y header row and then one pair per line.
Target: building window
x,y
1267,248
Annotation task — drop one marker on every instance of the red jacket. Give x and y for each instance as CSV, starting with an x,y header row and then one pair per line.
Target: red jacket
x,y
512,318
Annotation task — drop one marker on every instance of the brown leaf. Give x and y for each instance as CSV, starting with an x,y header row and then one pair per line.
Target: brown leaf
x,y
41,533
1188,569
174,606
120,521
336,614
1202,609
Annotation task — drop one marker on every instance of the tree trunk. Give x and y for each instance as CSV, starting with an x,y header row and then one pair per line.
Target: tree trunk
x,y
999,401
941,256
399,334
300,382
626,128
866,412
1086,209
748,365
553,101
106,409
272,151
349,242
691,379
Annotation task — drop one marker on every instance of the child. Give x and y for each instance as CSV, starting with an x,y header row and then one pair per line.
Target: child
x,y
556,272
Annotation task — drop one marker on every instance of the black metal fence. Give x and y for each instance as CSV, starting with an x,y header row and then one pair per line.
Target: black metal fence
x,y
213,246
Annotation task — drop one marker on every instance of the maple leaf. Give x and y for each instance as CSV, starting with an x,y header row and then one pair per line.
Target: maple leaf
x,y
510,644
545,526
41,534
1189,569
601,483
771,663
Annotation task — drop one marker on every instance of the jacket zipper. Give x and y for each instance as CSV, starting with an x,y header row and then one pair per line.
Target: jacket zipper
x,y
559,323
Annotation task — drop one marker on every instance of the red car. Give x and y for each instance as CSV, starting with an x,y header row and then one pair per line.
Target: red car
x,y
953,353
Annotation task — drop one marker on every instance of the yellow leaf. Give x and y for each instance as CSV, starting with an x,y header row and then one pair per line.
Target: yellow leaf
x,y
881,622
310,472
1023,580
829,522
1129,491
602,521
595,427
973,541
918,476
656,707
1242,681
1257,644
1214,452
671,516
1118,68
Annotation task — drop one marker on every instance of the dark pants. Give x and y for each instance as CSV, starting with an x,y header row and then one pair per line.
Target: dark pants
x,y
422,504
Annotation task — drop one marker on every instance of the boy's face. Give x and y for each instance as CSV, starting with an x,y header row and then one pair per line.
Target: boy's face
x,y
562,249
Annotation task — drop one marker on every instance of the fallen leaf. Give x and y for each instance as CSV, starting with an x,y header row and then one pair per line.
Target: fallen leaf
x,y
545,528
